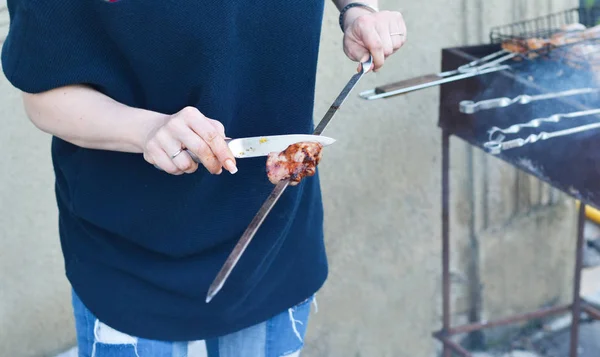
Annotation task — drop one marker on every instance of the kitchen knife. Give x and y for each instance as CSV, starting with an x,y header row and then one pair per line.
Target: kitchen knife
x,y
264,210
264,145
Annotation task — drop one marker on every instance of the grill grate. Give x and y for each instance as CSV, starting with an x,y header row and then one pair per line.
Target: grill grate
x,y
544,27
583,54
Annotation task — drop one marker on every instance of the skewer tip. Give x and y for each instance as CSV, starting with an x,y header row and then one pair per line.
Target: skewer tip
x,y
213,290
211,294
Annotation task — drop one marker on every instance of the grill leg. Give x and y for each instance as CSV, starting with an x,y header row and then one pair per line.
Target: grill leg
x,y
576,307
445,239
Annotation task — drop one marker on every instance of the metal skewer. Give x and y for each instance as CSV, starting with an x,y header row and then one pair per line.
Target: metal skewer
x,y
486,61
513,129
487,64
495,147
470,107
431,80
260,216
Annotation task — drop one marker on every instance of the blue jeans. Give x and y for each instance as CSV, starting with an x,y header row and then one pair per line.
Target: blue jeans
x,y
282,335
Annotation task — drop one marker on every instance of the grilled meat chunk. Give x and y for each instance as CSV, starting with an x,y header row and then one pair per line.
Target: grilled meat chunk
x,y
569,34
525,46
294,163
514,46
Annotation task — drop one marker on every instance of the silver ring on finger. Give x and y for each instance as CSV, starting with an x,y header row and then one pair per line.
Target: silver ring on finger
x,y
176,153
397,34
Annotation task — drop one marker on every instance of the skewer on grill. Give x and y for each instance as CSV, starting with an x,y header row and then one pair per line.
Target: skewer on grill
x,y
488,64
514,48
571,34
426,81
495,147
470,107
535,123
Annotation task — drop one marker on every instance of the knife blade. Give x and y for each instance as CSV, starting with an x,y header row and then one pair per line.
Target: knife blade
x,y
270,202
264,145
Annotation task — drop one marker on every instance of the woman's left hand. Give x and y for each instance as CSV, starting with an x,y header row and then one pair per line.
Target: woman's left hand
x,y
379,34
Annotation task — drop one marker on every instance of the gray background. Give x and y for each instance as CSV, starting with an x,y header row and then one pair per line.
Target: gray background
x,y
513,238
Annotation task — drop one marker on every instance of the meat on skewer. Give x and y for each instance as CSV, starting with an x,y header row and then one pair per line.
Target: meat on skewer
x,y
569,34
294,163
525,46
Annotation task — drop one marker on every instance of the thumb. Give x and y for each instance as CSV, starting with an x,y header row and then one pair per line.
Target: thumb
x,y
363,59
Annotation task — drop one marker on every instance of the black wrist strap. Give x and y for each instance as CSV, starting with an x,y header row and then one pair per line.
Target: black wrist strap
x,y
351,5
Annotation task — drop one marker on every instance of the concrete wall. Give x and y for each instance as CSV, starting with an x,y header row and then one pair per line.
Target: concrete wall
x,y
35,311
381,183
382,194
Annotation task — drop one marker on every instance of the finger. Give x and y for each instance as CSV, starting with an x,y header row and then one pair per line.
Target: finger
x,y
192,142
386,41
209,160
216,142
148,158
355,51
162,160
383,29
189,127
204,154
155,156
397,42
397,36
403,29
184,160
374,45
174,148
398,26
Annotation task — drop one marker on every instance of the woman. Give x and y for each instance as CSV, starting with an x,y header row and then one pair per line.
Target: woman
x,y
124,85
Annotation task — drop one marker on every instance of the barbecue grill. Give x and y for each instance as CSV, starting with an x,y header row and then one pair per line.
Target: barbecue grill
x,y
539,113
582,54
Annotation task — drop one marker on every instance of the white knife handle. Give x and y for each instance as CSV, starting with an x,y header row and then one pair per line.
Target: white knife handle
x,y
193,156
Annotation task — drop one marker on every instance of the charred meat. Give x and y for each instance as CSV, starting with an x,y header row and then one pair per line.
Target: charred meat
x,y
569,35
294,163
528,46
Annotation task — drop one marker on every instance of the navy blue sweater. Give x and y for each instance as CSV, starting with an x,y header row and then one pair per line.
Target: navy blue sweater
x,y
141,246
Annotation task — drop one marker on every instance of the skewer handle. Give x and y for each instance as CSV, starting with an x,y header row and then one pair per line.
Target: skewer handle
x,y
391,87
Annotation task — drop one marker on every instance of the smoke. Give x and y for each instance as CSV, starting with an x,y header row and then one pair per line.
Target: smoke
x,y
539,76
569,161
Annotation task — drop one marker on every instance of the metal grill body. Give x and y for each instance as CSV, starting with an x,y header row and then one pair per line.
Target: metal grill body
x,y
570,164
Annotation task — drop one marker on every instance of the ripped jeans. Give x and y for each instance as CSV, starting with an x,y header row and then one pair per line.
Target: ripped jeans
x,y
280,336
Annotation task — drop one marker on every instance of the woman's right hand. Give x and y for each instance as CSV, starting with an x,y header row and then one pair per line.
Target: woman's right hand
x,y
188,129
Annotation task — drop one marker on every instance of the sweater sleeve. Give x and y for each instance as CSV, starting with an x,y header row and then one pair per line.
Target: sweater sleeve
x,y
56,43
